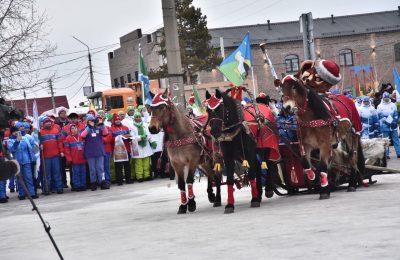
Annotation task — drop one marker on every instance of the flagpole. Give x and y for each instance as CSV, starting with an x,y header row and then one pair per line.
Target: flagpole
x,y
252,77
141,72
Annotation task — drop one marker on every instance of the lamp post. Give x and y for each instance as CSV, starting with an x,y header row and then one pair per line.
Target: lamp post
x,y
90,63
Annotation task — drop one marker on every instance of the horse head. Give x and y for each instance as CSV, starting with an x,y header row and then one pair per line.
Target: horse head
x,y
160,112
222,112
294,94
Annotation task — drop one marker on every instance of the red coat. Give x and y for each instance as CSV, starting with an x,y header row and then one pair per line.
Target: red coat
x,y
51,141
66,131
121,130
74,147
109,141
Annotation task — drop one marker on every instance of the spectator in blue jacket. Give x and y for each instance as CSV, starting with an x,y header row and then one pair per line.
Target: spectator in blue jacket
x,y
21,146
287,126
369,119
388,118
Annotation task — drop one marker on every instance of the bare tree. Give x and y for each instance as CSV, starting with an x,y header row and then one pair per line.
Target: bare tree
x,y
23,44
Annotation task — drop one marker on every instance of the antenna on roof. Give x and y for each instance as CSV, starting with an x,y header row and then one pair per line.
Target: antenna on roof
x,y
332,18
269,24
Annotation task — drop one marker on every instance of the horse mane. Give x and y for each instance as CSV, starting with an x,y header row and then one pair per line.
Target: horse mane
x,y
234,107
317,105
182,122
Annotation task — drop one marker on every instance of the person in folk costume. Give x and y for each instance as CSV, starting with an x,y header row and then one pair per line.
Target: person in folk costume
x,y
117,129
21,146
52,150
74,146
388,119
145,145
121,115
145,114
95,152
129,118
359,102
7,133
369,119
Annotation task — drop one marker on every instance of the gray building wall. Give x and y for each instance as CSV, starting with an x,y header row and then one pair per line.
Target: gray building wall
x,y
124,60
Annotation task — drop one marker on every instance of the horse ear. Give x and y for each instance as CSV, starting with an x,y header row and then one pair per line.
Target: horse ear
x,y
305,65
208,95
217,94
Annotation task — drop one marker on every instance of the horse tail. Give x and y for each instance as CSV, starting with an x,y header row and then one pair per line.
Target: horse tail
x,y
360,162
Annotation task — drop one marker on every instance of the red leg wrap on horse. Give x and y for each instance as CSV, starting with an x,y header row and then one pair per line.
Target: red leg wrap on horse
x,y
310,174
254,192
231,199
183,198
190,191
324,179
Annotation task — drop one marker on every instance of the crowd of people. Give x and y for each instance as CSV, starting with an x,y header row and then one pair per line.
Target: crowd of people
x,y
96,149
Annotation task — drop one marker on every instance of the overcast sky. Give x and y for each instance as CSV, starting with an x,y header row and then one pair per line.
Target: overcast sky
x,y
100,23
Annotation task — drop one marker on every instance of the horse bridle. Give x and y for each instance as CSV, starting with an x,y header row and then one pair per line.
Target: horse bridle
x,y
300,109
225,115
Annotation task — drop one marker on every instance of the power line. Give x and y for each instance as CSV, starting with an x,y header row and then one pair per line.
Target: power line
x,y
79,88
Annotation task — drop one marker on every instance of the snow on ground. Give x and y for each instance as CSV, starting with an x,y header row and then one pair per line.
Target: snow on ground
x,y
139,221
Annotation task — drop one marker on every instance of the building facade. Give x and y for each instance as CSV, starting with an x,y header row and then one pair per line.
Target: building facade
x,y
366,46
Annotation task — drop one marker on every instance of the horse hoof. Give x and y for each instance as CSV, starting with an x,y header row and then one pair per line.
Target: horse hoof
x,y
255,203
229,209
351,189
217,204
211,197
269,194
324,196
191,205
182,209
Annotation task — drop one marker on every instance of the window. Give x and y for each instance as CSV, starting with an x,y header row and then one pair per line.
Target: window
x,y
397,52
116,83
117,102
292,63
122,81
149,38
129,78
346,57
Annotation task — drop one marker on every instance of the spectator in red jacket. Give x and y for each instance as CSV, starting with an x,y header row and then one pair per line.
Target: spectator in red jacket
x,y
52,150
117,128
74,146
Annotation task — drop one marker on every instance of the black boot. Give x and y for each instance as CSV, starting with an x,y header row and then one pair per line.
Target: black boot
x,y
93,186
3,200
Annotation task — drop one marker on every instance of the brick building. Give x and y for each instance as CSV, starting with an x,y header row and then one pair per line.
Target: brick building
x,y
352,40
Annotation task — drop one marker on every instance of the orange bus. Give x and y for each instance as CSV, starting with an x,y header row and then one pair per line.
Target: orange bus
x,y
114,100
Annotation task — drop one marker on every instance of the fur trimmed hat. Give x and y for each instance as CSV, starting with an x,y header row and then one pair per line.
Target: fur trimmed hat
x,y
159,100
328,70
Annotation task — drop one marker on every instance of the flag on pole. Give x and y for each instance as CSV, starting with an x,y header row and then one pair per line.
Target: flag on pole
x,y
197,101
396,77
35,114
144,79
237,65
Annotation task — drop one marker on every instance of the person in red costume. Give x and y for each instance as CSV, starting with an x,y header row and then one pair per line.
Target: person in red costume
x,y
74,146
117,129
236,91
52,150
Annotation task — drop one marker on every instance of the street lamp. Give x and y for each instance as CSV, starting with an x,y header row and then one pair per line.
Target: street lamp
x,y
90,63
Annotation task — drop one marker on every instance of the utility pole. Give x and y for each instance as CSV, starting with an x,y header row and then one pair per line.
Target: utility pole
x,y
174,64
90,63
307,28
26,105
52,96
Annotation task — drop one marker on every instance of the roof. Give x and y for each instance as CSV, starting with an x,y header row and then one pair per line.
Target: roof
x,y
43,104
323,28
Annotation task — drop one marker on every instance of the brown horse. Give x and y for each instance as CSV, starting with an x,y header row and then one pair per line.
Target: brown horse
x,y
320,129
184,149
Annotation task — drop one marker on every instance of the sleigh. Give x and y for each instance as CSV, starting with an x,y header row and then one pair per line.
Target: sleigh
x,y
294,181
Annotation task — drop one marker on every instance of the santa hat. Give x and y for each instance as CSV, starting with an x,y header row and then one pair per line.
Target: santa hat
x,y
213,102
191,99
159,100
328,70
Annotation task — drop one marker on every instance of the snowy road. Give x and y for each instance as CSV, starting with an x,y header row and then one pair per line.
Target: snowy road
x,y
139,221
